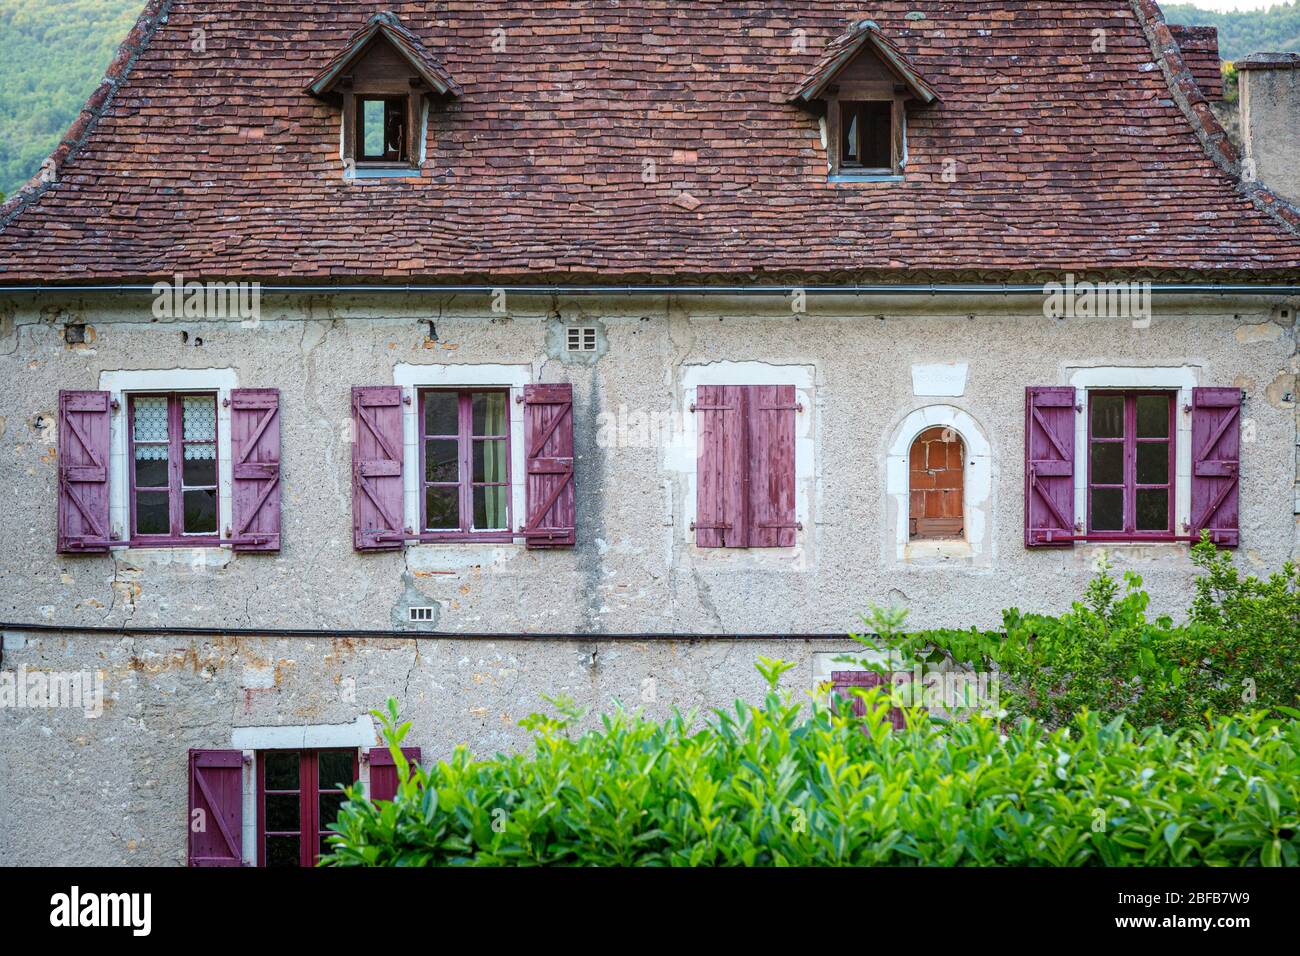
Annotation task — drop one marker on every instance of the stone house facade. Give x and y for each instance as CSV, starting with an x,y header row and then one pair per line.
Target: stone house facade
x,y
469,354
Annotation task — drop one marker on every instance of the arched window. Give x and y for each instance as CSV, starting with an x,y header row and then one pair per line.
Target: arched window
x,y
936,482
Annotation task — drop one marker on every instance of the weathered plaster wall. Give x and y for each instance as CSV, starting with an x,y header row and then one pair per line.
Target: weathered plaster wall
x,y
1270,125
634,569
113,789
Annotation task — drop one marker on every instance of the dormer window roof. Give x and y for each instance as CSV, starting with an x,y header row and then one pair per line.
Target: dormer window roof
x,y
388,27
841,52
864,82
383,78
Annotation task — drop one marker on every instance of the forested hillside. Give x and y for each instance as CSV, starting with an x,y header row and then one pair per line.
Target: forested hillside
x,y
54,52
1275,30
52,55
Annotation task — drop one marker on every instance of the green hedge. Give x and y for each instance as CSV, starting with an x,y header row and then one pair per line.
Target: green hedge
x,y
786,783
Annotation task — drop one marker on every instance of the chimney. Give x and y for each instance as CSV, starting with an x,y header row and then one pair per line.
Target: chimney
x,y
1270,121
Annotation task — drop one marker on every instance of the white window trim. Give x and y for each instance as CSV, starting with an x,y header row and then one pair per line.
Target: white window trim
x,y
1183,378
120,384
977,511
682,456
412,378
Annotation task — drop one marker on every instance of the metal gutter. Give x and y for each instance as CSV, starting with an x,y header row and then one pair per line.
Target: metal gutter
x,y
320,633
854,289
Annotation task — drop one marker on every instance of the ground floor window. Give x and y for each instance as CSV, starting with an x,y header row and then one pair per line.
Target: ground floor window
x,y
465,460
173,457
1131,462
299,793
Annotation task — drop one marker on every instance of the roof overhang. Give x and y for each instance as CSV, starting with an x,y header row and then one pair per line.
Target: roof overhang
x,y
406,43
843,50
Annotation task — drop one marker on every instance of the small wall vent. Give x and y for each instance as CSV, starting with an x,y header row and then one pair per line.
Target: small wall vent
x,y
581,338
420,615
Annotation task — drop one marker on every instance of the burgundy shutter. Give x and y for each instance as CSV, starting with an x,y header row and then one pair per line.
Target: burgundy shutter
x,y
548,461
722,466
842,683
1216,464
216,812
255,451
83,471
1049,467
383,771
377,506
771,461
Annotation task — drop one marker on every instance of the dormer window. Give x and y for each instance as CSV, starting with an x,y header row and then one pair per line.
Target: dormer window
x,y
382,80
862,86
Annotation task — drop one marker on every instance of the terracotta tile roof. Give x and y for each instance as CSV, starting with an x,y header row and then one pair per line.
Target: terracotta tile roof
x,y
1200,49
648,139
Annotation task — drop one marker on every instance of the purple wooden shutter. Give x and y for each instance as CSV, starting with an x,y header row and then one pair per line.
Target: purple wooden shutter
x,y
722,466
383,772
548,461
255,450
771,461
1049,467
216,808
1216,464
83,471
377,506
842,683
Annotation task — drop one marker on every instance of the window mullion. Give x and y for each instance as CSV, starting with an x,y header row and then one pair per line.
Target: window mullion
x,y
1130,463
466,448
308,798
175,452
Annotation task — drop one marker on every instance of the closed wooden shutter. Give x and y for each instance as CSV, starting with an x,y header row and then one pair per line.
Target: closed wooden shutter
x,y
83,449
745,468
1216,464
255,454
550,489
383,771
1049,467
377,505
216,808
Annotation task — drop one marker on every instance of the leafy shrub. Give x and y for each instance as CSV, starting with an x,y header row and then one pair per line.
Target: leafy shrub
x,y
791,784
1240,649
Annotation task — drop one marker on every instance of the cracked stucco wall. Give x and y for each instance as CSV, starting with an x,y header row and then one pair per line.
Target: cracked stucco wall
x,y
634,569
114,787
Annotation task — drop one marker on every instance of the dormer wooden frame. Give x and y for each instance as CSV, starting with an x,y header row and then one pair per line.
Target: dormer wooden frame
x,y
838,97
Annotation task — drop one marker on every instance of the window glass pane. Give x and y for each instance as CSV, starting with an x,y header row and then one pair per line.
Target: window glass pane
x,y
372,127
329,808
441,460
151,513
199,415
490,460
441,413
196,471
490,508
1153,510
150,419
1153,416
282,811
281,769
877,134
1153,463
1107,416
1107,509
1107,463
282,851
201,511
151,466
334,767
441,509
489,413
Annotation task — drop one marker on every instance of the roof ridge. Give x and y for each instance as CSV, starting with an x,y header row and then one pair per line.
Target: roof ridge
x,y
128,52
1191,102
